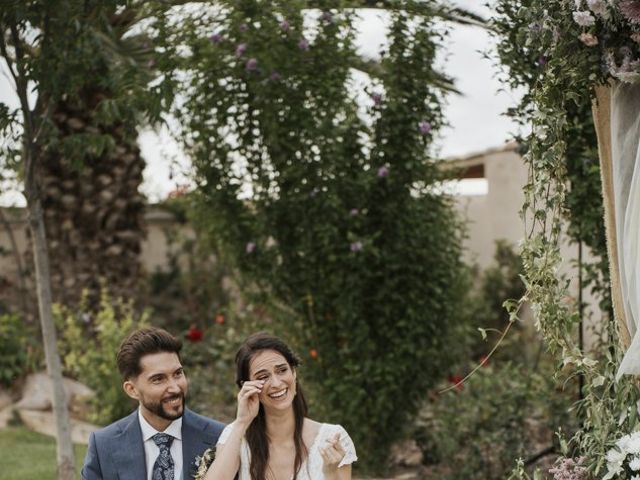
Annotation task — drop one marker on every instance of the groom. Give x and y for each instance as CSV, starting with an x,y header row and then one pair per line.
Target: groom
x,y
162,438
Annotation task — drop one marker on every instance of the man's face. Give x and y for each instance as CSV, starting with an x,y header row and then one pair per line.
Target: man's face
x,y
160,388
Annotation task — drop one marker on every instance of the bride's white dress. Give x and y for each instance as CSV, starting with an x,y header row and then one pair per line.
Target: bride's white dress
x,y
312,467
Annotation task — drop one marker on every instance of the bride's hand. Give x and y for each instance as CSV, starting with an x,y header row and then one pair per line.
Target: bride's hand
x,y
332,455
248,401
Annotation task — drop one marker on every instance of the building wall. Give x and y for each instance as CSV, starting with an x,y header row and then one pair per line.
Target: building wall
x,y
156,248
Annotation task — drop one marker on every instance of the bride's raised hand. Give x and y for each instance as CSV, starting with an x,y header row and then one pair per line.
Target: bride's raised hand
x,y
248,401
332,454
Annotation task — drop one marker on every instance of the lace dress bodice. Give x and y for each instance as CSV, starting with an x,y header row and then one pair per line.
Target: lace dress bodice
x,y
312,468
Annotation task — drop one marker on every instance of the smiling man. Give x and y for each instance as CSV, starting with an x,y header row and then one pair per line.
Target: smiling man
x,y
162,438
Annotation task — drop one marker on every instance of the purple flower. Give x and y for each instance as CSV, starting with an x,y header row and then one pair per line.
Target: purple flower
x,y
588,39
356,247
241,49
251,65
250,247
354,212
584,18
377,98
383,171
244,27
542,61
303,44
285,26
216,38
424,127
275,77
631,10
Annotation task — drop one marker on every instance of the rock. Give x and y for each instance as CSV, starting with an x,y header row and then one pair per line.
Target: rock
x,y
5,399
44,422
37,393
6,415
406,454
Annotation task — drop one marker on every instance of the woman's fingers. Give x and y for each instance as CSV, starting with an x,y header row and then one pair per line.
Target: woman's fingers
x,y
333,452
250,388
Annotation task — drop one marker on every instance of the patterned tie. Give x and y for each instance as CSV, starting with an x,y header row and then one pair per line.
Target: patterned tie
x,y
163,468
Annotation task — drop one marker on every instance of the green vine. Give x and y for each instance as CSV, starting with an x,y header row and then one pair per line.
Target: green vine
x,y
542,48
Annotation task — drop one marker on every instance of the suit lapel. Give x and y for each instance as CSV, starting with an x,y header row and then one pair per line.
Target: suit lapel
x,y
195,440
128,451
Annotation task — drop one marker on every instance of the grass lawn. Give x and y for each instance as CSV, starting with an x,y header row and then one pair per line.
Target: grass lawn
x,y
27,455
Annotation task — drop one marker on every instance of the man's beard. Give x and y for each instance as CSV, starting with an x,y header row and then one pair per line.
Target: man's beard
x,y
157,408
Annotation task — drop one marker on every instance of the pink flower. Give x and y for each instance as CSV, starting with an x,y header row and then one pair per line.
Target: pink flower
x,y
251,65
377,98
241,49
275,77
285,26
356,247
244,27
584,19
250,247
383,171
588,39
631,10
216,38
424,127
599,7
303,44
354,212
635,37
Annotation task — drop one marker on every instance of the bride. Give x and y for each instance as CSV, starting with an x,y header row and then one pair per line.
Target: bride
x,y
271,437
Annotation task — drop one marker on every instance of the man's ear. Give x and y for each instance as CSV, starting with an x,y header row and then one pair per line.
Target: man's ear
x,y
131,390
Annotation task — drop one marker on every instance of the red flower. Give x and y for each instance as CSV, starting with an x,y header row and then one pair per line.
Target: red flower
x,y
220,319
456,380
194,334
313,353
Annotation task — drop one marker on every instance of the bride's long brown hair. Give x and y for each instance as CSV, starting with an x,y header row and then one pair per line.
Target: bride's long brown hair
x,y
256,434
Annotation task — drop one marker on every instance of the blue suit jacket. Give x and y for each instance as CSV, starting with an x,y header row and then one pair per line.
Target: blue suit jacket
x,y
116,452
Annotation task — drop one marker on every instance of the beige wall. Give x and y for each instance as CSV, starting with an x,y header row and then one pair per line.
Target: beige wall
x,y
496,215
155,249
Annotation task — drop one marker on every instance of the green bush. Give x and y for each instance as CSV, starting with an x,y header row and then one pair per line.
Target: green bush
x,y
17,351
88,347
505,411
337,219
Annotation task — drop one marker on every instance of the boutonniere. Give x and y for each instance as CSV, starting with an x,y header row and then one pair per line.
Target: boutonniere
x,y
203,463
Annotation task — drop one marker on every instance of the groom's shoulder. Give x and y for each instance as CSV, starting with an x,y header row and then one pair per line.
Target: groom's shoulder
x,y
117,427
205,422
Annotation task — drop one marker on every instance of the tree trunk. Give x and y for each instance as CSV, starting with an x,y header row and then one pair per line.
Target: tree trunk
x,y
66,462
93,213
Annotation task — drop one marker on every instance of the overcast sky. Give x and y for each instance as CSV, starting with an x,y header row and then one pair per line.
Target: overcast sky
x,y
476,116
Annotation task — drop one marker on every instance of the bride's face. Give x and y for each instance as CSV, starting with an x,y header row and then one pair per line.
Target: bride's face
x,y
280,379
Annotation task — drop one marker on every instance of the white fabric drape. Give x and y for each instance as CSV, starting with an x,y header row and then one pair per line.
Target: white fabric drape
x,y
625,171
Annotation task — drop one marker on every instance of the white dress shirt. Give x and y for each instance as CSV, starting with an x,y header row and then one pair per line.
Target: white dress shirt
x,y
151,450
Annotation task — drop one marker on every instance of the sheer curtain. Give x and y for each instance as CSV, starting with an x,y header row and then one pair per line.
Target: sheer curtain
x,y
617,118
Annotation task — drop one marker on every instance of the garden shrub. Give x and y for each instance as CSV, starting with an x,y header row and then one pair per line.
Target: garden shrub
x,y
337,219
88,347
501,413
19,354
